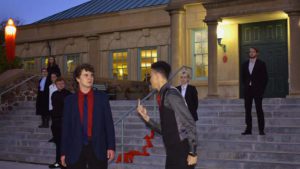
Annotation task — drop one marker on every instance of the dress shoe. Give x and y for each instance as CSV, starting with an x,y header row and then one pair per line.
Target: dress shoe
x,y
262,133
247,133
51,140
55,165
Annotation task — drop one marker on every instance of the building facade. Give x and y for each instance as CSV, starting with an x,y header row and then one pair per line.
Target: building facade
x,y
212,37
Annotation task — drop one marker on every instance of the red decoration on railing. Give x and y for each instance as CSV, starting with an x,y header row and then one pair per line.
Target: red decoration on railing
x,y
10,36
129,156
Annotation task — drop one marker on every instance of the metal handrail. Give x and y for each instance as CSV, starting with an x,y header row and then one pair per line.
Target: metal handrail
x,y
122,118
17,85
150,94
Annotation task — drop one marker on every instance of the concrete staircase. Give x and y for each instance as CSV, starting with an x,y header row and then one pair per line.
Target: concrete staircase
x,y
220,144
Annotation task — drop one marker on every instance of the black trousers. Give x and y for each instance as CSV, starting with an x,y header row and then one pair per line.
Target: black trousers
x,y
88,160
249,97
56,132
177,156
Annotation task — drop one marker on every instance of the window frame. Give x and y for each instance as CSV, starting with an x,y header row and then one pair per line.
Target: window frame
x,y
111,69
77,55
193,42
140,58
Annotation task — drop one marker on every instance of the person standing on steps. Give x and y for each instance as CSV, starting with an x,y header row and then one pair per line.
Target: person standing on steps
x,y
52,67
177,126
189,93
88,135
52,89
42,100
254,78
56,116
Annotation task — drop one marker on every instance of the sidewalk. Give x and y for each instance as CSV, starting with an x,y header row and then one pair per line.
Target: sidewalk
x,y
16,165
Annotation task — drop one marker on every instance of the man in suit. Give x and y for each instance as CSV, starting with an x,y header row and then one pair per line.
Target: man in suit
x,y
177,126
42,100
254,78
58,98
88,136
190,94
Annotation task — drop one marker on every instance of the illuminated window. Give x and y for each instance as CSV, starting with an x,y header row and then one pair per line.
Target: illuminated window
x,y
200,54
119,65
71,62
44,62
29,64
147,57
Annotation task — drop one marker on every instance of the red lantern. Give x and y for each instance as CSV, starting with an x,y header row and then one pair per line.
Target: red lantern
x,y
225,58
10,36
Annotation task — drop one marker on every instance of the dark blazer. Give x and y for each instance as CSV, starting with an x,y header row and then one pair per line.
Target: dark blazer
x,y
103,133
58,103
42,100
191,98
53,69
258,78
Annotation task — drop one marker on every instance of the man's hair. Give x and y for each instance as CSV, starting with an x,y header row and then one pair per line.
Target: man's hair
x,y
78,70
254,48
59,79
162,67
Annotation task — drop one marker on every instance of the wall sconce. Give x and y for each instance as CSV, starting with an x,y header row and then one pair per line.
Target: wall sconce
x,y
220,35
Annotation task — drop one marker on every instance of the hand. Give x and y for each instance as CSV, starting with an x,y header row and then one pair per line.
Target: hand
x,y
192,160
142,111
63,161
110,155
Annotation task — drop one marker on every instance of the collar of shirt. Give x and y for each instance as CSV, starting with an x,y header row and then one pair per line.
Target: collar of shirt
x,y
43,83
184,86
252,60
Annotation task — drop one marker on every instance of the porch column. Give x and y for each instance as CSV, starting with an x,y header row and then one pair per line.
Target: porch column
x,y
212,59
294,62
177,40
94,54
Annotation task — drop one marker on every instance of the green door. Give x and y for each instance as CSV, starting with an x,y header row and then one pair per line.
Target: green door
x,y
271,40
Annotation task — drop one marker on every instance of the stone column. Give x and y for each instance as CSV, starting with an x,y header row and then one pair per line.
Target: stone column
x,y
212,59
177,40
294,61
94,54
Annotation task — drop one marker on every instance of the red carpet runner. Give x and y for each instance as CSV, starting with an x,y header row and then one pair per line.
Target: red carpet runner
x,y
129,156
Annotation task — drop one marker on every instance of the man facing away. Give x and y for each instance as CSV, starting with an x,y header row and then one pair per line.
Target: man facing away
x,y
177,125
254,78
189,93
56,116
88,136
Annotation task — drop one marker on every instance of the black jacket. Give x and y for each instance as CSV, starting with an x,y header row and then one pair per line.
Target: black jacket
x,y
258,78
53,69
58,103
173,103
191,98
42,100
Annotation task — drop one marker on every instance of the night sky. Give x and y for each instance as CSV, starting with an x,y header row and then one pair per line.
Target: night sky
x,y
29,11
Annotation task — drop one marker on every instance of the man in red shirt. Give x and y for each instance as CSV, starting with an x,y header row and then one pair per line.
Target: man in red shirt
x,y
88,136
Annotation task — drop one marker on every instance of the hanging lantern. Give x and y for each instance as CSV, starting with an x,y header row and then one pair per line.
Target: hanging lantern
x,y
10,37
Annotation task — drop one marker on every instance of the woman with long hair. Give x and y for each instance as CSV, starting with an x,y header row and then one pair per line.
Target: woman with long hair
x,y
53,67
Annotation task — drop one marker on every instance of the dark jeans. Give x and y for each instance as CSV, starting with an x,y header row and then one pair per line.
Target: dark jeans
x,y
249,97
88,160
177,156
56,132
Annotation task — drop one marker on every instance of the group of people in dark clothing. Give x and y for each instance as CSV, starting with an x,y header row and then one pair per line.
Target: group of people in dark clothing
x,y
82,124
50,103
